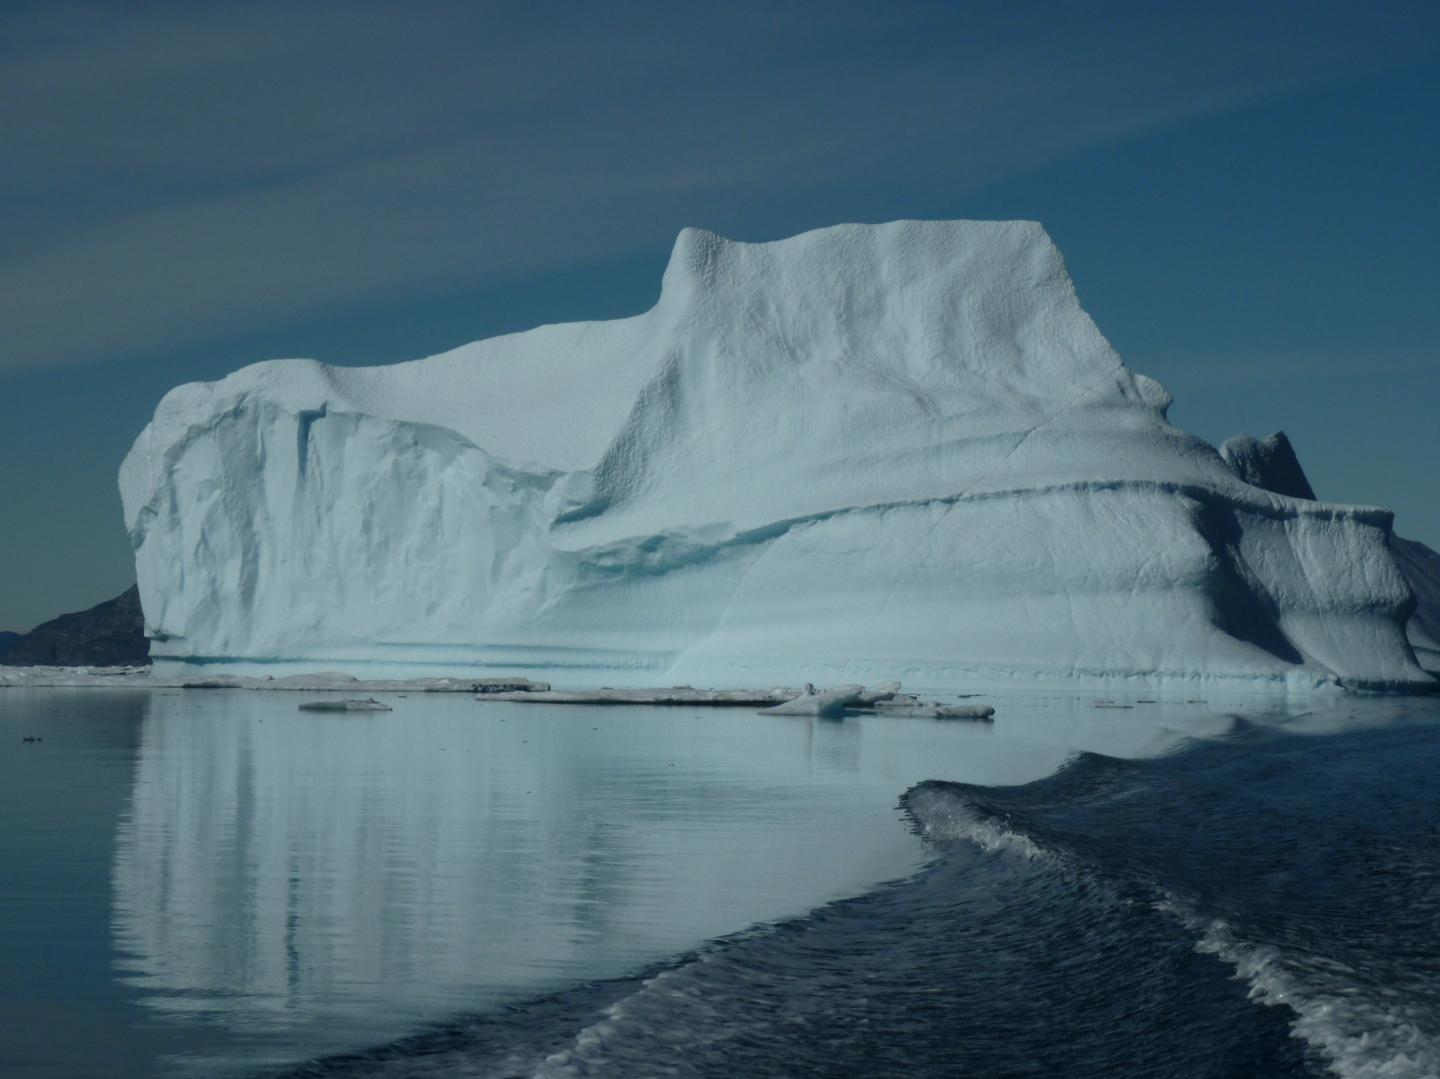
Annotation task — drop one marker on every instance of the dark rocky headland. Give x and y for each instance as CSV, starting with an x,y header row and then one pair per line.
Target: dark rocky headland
x,y
111,634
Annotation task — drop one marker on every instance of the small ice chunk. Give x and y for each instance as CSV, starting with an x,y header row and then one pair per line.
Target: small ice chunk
x,y
829,703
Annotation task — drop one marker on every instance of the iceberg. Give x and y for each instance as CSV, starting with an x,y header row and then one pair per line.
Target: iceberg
x,y
829,704
862,453
1269,463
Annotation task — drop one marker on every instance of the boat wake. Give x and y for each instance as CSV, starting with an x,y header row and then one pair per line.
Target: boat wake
x,y
1361,995
1118,918
1360,1035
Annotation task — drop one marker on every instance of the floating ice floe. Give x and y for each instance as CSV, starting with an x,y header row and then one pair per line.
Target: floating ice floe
x,y
913,706
829,702
367,704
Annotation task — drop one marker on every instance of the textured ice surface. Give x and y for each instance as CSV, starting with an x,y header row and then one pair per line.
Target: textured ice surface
x,y
1269,463
867,452
1421,567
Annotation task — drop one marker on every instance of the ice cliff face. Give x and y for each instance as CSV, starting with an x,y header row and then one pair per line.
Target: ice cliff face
x,y
899,450
1271,463
1421,567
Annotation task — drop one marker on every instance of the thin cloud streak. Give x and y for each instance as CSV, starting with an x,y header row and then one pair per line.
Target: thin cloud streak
x,y
184,176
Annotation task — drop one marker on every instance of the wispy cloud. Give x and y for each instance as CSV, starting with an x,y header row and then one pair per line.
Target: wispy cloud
x,y
178,173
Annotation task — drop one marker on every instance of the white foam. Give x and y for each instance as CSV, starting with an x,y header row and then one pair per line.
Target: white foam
x,y
945,818
1359,1035
588,1051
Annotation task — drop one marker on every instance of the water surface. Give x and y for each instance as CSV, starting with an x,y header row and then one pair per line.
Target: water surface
x,y
212,883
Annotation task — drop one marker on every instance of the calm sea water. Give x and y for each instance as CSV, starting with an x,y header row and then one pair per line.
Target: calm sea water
x,y
212,883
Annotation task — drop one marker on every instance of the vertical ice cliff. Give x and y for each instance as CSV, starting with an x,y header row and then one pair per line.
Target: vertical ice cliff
x,y
900,450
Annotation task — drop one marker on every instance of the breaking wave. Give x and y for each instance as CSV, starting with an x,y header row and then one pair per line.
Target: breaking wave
x,y
1359,1034
1361,995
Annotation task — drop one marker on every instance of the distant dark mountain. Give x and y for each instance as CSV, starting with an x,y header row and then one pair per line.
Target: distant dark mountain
x,y
109,635
5,638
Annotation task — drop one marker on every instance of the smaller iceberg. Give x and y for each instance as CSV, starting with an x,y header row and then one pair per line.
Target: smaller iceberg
x,y
366,704
1268,463
829,703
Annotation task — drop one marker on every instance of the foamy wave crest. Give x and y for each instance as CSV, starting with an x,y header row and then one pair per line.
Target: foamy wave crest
x,y
1358,1035
945,816
673,1024
590,1050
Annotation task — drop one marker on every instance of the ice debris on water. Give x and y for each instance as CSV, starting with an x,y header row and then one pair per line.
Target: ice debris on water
x,y
367,704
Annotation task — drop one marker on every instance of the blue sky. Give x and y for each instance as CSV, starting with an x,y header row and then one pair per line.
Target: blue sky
x,y
1245,194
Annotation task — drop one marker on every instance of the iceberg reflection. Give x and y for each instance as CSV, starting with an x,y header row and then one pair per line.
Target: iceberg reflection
x,y
301,883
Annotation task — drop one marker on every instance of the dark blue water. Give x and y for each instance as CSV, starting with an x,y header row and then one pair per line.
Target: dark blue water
x,y
1264,903
216,884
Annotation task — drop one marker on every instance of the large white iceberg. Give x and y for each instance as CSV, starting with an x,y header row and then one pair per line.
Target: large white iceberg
x,y
862,453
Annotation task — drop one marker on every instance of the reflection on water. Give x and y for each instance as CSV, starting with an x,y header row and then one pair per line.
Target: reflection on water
x,y
285,884
313,881
59,800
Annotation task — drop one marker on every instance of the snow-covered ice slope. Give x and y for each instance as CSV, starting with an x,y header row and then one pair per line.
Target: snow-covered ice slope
x,y
893,451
